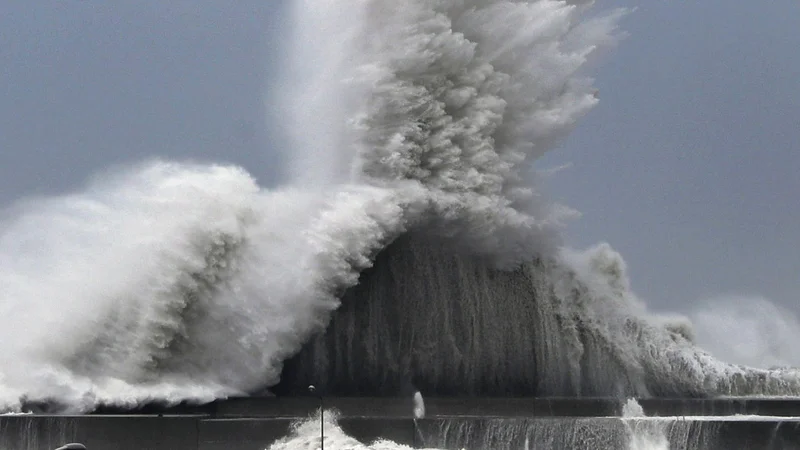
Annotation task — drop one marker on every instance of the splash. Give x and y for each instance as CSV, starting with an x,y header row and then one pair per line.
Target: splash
x,y
748,330
306,435
643,435
451,324
457,96
171,282
175,282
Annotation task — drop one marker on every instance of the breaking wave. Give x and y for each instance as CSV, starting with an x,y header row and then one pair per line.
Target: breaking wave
x,y
413,129
748,330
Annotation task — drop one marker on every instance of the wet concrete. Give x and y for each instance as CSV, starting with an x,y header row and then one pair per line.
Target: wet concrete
x,y
787,407
255,423
478,406
609,433
99,432
203,433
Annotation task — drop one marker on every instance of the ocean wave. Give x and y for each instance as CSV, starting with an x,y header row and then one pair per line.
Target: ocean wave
x,y
171,281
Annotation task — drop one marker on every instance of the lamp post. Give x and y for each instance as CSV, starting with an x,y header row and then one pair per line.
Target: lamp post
x,y
313,390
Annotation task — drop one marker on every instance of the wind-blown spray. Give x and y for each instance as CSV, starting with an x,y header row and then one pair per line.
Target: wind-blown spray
x,y
172,282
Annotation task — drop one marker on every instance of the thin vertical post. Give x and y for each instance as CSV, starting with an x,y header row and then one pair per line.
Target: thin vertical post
x,y
313,390
414,444
321,423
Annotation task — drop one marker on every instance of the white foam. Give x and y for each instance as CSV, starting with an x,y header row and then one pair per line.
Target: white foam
x,y
171,281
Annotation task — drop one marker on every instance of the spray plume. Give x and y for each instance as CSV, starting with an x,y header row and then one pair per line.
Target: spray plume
x,y
173,281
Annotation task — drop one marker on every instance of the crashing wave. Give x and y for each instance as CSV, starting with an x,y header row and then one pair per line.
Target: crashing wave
x,y
408,120
448,323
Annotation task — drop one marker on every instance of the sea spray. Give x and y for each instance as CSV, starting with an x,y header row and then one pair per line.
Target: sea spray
x,y
469,433
171,282
305,434
748,330
430,313
643,435
419,406
458,96
665,433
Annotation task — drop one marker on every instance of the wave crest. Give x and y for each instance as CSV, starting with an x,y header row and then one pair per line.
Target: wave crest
x,y
457,96
175,281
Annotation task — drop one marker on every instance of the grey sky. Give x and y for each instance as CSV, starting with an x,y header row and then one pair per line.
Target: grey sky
x,y
88,83
689,166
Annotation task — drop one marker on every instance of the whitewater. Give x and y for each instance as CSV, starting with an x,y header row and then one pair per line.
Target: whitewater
x,y
632,431
412,126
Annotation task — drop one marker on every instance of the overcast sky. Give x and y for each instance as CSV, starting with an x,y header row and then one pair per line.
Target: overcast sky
x,y
689,165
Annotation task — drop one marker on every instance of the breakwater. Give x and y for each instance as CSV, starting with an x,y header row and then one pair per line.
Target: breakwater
x,y
475,423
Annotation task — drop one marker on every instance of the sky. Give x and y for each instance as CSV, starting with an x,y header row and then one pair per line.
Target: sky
x,y
689,165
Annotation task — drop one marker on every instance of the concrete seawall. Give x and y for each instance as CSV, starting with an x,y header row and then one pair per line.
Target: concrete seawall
x,y
199,433
253,424
473,406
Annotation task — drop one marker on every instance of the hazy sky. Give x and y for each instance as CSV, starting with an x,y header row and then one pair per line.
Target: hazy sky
x,y
689,166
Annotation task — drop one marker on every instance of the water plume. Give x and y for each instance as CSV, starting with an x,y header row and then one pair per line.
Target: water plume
x,y
409,244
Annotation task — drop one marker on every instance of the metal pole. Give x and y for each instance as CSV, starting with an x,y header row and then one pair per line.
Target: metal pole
x,y
321,424
414,445
313,390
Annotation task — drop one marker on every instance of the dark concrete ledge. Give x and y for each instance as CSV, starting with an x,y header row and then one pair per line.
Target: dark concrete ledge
x,y
200,433
475,406
32,432
609,433
786,407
